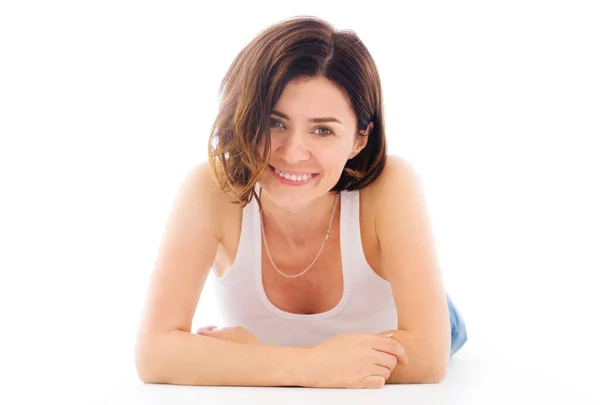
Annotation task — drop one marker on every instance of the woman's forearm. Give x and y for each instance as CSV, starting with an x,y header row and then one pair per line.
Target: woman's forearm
x,y
182,358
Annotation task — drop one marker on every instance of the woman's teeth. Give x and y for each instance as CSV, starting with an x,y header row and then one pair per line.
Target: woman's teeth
x,y
293,177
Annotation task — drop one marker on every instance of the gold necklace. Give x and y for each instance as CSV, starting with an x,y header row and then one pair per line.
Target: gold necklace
x,y
262,227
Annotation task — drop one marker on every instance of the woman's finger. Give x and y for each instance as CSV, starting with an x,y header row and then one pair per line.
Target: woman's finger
x,y
373,381
380,371
385,360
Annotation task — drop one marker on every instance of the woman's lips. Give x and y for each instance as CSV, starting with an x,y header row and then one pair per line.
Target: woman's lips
x,y
283,180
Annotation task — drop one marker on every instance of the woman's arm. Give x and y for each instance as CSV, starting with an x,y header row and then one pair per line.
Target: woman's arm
x,y
409,262
166,351
182,358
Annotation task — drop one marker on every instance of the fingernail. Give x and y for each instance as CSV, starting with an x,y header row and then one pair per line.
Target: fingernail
x,y
389,335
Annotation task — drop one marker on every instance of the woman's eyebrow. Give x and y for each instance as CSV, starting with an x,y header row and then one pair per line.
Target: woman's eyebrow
x,y
317,120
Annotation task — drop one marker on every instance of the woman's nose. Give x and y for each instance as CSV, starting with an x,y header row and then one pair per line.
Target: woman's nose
x,y
293,147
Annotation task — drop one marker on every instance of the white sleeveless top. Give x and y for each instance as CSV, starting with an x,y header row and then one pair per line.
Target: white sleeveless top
x,y
367,303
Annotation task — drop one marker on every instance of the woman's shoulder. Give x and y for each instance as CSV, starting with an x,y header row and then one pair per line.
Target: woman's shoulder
x,y
218,205
202,176
396,170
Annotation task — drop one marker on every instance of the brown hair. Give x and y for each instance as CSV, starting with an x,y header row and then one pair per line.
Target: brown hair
x,y
300,47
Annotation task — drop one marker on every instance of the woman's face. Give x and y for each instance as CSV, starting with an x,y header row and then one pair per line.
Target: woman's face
x,y
313,134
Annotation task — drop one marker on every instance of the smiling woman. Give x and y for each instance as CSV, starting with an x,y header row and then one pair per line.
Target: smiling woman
x,y
321,244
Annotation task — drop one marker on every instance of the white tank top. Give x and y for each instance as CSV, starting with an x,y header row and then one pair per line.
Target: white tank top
x,y
367,303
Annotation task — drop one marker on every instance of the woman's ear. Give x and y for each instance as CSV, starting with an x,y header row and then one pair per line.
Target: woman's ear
x,y
368,129
361,141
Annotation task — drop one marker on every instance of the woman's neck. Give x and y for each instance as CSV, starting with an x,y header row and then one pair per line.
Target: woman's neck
x,y
297,225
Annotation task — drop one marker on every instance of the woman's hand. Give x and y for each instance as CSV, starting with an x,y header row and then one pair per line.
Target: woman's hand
x,y
233,334
353,361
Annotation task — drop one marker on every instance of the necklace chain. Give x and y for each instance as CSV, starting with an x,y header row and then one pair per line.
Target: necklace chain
x,y
262,226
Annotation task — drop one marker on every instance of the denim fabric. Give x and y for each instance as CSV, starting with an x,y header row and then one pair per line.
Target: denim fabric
x,y
458,329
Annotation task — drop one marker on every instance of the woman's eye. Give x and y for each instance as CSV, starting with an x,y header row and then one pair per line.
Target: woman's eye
x,y
274,123
323,133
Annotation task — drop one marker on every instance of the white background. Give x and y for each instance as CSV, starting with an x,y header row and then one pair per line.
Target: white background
x,y
104,106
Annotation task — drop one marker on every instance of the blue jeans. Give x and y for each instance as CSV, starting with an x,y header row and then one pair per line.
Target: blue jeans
x,y
458,330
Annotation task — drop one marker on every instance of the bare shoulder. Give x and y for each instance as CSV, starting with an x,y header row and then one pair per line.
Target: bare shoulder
x,y
396,169
397,174
218,205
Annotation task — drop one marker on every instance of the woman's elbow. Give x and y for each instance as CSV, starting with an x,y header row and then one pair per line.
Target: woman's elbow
x,y
145,363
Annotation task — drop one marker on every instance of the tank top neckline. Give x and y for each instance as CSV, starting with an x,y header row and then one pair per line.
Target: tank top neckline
x,y
257,263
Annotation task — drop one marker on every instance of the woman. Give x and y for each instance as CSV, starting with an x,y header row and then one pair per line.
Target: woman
x,y
325,263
